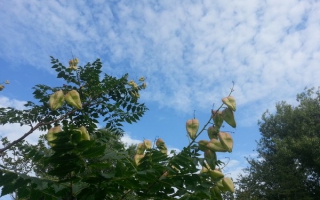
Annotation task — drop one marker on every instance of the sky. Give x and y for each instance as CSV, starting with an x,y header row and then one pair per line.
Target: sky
x,y
189,51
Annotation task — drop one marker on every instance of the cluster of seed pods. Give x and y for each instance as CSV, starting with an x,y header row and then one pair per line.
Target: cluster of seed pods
x,y
219,141
52,134
147,144
58,98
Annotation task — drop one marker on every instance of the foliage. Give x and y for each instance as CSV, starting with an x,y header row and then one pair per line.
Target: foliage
x,y
75,160
288,164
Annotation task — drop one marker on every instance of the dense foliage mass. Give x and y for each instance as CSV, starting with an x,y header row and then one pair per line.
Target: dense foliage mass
x,y
288,164
76,160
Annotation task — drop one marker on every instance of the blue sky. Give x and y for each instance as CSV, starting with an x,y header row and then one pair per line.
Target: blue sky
x,y
190,52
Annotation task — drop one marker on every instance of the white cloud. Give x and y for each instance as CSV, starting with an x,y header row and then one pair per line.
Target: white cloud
x,y
189,51
6,102
128,140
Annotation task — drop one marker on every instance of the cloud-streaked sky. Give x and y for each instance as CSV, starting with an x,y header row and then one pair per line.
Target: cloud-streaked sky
x,y
190,52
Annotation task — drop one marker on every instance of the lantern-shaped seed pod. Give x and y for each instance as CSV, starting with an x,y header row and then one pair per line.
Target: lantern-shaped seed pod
x,y
56,100
73,99
192,127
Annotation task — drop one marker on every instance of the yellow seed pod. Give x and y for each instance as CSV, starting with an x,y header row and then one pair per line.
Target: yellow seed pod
x,y
133,84
217,118
226,140
147,144
161,146
215,145
141,79
7,82
213,132
50,136
203,145
230,102
73,63
159,143
204,170
141,148
56,100
216,193
192,127
216,174
228,184
1,87
228,117
208,154
137,158
73,99
84,133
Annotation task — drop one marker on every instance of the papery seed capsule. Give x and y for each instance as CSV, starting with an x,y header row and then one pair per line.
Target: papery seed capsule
x,y
161,146
56,100
213,132
147,144
230,102
84,133
217,118
73,63
50,136
228,117
216,193
208,154
159,143
216,174
192,127
204,170
215,145
164,150
228,184
73,99
1,87
138,158
226,140
141,148
141,79
203,145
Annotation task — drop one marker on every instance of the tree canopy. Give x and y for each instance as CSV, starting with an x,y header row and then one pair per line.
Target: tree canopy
x,y
76,160
288,162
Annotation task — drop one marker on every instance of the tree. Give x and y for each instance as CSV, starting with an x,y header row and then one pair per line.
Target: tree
x,y
288,163
75,160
